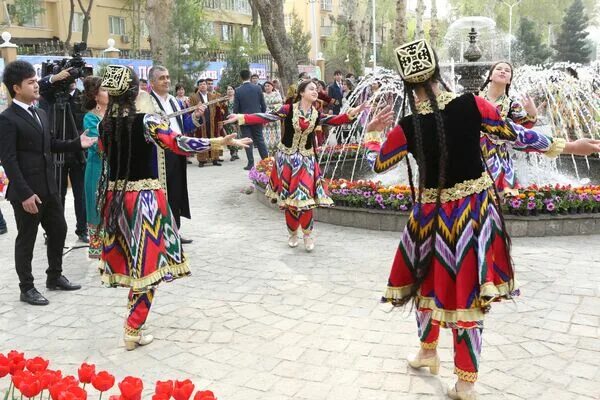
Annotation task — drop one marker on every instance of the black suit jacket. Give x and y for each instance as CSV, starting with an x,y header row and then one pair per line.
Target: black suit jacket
x,y
25,151
334,91
249,99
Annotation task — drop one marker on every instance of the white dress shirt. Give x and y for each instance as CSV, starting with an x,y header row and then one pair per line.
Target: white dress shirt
x,y
25,107
166,105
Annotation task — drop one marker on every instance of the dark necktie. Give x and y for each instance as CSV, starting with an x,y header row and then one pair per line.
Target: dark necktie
x,y
179,117
35,115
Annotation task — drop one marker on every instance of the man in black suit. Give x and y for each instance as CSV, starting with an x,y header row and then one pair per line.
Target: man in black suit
x,y
66,108
249,99
25,151
335,91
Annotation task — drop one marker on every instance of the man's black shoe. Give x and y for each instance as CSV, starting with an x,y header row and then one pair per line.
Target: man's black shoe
x,y
218,164
185,240
62,283
201,164
83,238
3,230
33,297
248,167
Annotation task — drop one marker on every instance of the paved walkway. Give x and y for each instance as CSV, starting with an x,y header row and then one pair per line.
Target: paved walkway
x,y
258,320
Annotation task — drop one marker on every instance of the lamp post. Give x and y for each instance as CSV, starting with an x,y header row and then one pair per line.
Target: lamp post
x,y
510,8
374,37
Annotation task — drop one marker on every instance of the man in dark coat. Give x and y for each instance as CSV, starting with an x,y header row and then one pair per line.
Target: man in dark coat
x,y
26,148
336,92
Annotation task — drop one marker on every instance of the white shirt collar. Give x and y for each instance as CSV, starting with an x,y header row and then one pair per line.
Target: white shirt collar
x,y
22,105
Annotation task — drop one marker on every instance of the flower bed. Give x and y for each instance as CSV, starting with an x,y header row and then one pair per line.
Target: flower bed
x,y
532,200
30,378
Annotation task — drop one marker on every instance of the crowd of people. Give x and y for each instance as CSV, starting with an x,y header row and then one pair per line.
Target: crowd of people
x,y
454,256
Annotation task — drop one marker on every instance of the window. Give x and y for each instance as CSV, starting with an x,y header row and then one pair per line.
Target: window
x,y
245,34
288,19
210,29
214,4
116,25
226,32
326,5
27,13
77,25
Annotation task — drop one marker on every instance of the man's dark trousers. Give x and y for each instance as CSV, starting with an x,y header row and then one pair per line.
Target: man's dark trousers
x,y
255,132
51,216
75,172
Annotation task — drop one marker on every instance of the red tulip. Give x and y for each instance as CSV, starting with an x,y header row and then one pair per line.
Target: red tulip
x,y
103,381
37,364
86,372
205,395
183,390
15,354
49,378
164,388
17,378
160,396
115,397
73,393
16,362
61,386
131,388
30,386
4,366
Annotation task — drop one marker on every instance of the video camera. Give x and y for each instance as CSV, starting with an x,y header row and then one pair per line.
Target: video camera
x,y
77,65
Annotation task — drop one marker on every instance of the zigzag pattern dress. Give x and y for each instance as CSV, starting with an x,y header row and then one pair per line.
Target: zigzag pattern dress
x,y
470,265
145,249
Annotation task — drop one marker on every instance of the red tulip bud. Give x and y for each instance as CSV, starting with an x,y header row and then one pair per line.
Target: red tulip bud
x,y
49,378
131,388
183,390
86,372
73,393
164,388
4,366
29,385
37,364
205,395
103,381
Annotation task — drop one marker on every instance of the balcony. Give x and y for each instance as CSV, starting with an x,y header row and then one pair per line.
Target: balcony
x,y
326,31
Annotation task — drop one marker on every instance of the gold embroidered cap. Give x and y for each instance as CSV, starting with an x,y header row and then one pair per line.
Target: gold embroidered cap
x,y
116,79
416,61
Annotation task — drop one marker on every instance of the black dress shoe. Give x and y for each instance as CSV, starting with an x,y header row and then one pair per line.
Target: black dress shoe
x,y
185,240
248,167
218,164
62,283
33,297
83,238
200,164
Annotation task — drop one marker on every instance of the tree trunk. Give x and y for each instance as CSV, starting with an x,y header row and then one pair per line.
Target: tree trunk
x,y
85,29
433,29
157,12
278,42
354,43
419,32
400,25
70,30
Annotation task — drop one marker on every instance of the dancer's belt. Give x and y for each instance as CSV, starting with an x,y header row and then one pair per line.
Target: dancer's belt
x,y
460,190
135,186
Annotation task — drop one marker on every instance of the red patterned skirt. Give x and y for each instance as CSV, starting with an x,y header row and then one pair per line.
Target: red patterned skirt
x,y
470,268
146,248
296,182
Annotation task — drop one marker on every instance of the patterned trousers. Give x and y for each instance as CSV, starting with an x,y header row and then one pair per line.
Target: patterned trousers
x,y
139,307
467,345
296,219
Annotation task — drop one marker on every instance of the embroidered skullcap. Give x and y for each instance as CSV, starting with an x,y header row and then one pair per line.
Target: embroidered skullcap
x,y
416,61
116,79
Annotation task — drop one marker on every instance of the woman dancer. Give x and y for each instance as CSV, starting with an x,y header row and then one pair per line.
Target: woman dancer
x,y
272,131
456,212
296,182
497,153
141,246
95,100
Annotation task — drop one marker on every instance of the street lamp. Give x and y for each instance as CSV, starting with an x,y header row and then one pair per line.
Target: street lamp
x,y
510,7
313,15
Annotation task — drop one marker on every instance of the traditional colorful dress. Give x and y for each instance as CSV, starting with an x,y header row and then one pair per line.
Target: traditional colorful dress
x,y
470,267
497,154
272,131
93,169
145,248
296,183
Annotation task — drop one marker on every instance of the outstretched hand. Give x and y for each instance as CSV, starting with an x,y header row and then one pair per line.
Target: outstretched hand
x,y
357,110
582,147
381,120
232,118
529,105
87,141
230,140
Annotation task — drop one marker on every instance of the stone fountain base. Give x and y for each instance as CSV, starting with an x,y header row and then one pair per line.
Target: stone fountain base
x,y
518,226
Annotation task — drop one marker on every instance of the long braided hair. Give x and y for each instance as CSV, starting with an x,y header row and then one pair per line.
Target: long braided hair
x,y
488,79
116,125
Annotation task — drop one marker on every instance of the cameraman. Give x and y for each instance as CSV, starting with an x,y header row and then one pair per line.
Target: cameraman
x,y
62,103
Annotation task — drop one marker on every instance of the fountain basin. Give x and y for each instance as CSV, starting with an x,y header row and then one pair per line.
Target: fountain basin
x,y
394,221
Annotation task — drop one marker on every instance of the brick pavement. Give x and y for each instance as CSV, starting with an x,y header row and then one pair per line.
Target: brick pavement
x,y
258,320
